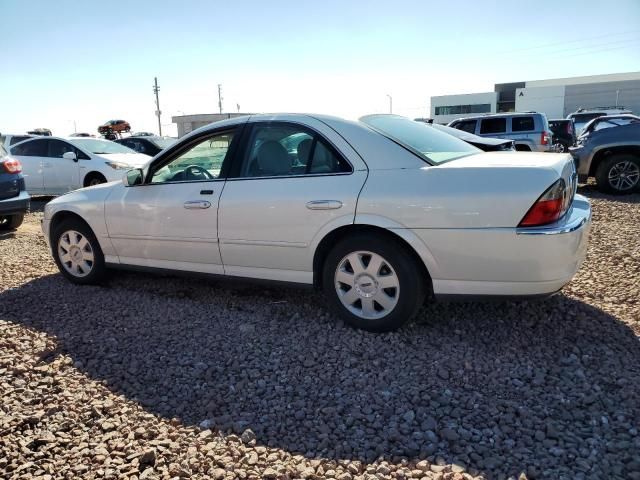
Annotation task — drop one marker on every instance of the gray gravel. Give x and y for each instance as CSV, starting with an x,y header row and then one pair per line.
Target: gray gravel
x,y
160,377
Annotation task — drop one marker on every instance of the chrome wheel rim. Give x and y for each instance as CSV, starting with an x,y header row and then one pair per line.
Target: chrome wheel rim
x,y
624,175
75,253
367,285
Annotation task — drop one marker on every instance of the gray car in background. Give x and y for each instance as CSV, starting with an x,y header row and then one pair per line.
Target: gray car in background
x,y
529,131
612,156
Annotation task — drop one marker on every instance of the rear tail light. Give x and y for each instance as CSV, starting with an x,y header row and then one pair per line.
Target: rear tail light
x,y
11,165
550,207
544,138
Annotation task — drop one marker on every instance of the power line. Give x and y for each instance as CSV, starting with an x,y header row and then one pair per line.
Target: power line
x,y
564,42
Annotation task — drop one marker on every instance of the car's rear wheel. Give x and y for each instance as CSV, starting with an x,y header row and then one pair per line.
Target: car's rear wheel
x,y
11,222
619,174
94,179
77,252
373,283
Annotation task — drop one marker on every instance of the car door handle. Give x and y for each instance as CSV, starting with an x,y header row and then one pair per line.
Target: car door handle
x,y
191,204
324,204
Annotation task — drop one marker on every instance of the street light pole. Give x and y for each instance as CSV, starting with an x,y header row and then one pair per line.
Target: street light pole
x,y
156,89
390,103
220,97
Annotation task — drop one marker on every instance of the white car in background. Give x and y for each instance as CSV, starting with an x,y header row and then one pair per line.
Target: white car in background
x,y
379,214
52,165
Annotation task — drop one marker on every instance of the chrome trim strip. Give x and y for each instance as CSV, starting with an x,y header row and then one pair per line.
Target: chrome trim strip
x,y
262,243
164,239
568,228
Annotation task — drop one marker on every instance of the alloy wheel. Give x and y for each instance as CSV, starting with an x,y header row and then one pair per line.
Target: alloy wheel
x,y
75,253
367,285
624,175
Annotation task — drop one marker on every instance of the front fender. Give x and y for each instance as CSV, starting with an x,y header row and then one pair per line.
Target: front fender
x,y
88,204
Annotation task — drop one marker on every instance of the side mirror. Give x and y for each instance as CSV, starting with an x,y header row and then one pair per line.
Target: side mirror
x,y
70,156
133,177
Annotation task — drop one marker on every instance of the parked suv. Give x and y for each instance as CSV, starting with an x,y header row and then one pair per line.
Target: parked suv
x,y
582,116
612,156
564,135
14,199
529,131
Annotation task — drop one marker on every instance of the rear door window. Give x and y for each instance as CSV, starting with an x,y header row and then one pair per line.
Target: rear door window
x,y
34,148
522,124
493,125
466,126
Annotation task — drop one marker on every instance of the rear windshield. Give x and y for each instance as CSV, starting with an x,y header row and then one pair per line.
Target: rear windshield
x,y
18,138
98,146
163,142
428,143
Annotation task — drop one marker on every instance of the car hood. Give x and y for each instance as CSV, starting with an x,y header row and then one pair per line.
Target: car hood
x,y
133,159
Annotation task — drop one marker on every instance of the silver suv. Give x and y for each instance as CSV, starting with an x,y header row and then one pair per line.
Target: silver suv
x,y
530,131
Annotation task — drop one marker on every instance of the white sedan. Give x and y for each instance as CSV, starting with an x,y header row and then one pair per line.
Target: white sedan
x,y
378,213
53,165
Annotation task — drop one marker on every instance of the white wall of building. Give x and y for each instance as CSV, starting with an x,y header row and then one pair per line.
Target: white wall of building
x,y
547,100
610,77
490,98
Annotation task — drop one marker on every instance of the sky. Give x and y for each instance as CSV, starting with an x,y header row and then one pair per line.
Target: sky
x,y
91,61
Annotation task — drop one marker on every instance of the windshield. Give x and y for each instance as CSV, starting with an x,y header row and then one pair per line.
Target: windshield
x,y
97,146
432,145
580,120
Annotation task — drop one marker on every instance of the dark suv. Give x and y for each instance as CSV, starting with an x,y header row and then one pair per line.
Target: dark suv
x,y
612,156
564,134
14,199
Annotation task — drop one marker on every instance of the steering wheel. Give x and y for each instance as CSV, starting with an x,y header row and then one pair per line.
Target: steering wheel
x,y
195,171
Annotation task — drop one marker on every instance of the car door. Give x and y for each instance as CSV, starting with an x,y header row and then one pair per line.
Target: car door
x,y
32,155
171,220
288,184
61,175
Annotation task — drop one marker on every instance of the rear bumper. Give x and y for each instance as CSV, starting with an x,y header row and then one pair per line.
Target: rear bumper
x,y
521,262
15,205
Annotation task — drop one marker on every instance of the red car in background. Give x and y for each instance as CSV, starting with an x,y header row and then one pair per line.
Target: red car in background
x,y
114,126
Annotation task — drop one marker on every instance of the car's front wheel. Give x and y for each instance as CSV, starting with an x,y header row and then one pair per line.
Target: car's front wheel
x,y
619,174
93,179
77,252
373,282
11,222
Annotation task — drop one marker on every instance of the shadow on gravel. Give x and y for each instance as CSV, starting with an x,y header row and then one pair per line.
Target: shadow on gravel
x,y
550,388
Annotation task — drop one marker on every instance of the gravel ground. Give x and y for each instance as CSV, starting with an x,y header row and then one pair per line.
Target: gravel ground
x,y
159,377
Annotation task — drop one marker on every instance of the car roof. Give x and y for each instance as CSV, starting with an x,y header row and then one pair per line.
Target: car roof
x,y
617,116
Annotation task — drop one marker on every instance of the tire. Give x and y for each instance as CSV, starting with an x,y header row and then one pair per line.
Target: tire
x,y
11,222
396,266
84,268
522,148
619,174
94,179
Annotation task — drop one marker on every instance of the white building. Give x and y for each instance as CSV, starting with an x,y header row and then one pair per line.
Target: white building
x,y
555,97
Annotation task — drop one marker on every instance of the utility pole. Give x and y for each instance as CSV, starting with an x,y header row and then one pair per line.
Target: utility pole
x,y
156,89
390,103
220,97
